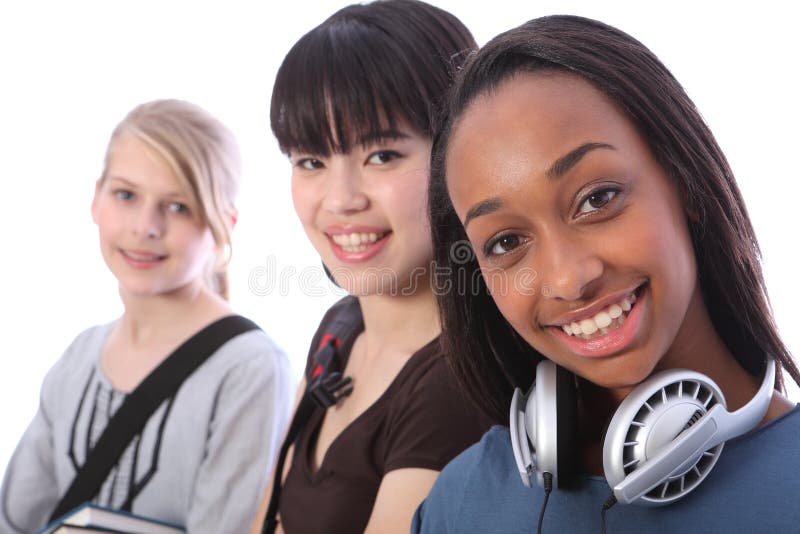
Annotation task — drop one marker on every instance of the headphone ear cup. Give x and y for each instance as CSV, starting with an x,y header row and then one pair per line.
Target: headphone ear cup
x,y
550,422
645,426
566,418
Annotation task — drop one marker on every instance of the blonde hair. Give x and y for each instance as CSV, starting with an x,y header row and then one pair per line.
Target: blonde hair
x,y
204,156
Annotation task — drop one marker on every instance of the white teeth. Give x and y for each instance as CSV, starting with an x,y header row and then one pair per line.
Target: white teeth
x,y
354,240
602,319
614,314
142,257
588,326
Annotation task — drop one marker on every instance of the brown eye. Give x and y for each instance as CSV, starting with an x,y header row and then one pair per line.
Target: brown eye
x,y
597,200
310,164
382,157
503,245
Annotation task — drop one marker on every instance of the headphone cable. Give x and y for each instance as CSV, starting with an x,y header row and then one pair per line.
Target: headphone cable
x,y
611,501
548,487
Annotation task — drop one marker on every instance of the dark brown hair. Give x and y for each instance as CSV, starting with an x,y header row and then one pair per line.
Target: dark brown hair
x,y
364,68
489,357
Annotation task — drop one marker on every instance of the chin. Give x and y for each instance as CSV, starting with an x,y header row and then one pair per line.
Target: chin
x,y
618,373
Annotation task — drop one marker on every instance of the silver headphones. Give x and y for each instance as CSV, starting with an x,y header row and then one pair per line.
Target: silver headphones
x,y
661,443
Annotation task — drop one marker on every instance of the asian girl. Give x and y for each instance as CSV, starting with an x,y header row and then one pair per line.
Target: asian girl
x,y
354,107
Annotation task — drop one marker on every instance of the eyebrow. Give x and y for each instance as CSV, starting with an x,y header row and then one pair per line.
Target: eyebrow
x,y
484,207
122,179
378,136
128,183
569,160
558,169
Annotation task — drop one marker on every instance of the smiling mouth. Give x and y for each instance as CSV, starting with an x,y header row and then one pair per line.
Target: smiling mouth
x,y
357,242
603,322
143,257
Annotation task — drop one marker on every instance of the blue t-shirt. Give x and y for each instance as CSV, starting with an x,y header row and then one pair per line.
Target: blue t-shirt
x,y
755,487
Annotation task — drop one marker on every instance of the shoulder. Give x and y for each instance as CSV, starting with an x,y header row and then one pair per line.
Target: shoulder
x,y
426,381
345,305
342,320
252,345
472,480
346,310
483,471
428,419
489,458
88,343
251,356
772,444
81,354
427,378
426,395
428,367
69,376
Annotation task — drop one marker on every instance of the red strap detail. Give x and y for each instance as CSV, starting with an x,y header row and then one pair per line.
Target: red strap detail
x,y
317,371
327,337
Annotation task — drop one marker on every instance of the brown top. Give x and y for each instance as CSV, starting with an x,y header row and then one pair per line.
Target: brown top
x,y
421,420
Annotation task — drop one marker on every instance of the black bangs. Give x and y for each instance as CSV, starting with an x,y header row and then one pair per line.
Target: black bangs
x,y
366,69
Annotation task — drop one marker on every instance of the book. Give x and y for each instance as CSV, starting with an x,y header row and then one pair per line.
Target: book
x,y
89,517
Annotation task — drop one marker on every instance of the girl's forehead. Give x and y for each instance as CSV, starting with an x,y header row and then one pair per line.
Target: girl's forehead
x,y
540,114
534,129
344,136
136,162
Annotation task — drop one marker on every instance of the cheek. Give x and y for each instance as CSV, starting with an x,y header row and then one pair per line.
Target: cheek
x,y
199,243
106,224
407,198
662,241
304,198
515,293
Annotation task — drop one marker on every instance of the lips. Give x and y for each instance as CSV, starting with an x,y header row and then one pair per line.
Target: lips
x,y
357,244
142,259
586,337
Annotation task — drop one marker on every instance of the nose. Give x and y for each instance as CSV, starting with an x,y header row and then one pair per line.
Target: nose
x,y
149,222
570,267
344,194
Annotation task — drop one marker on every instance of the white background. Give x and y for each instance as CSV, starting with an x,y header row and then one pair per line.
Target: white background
x,y
69,71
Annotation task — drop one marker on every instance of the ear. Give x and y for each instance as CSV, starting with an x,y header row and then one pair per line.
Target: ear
x,y
234,216
98,185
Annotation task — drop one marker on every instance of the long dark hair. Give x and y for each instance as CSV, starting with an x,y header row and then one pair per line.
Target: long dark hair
x,y
489,357
364,68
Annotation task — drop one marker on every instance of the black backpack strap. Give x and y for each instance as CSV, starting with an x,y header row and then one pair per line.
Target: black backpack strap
x,y
129,420
325,387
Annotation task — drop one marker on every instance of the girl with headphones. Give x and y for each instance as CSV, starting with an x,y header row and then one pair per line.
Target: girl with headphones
x,y
614,304
354,106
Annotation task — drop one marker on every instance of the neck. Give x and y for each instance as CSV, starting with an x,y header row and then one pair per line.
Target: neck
x,y
154,318
699,347
400,323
